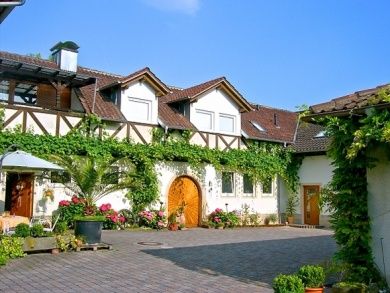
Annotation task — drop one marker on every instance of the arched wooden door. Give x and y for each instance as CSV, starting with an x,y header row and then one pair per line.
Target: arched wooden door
x,y
185,192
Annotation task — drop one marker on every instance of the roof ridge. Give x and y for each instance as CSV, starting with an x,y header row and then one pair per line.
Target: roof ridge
x,y
29,57
272,108
100,72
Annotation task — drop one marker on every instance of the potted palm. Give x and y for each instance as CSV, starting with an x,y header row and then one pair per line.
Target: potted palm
x,y
92,179
313,278
291,208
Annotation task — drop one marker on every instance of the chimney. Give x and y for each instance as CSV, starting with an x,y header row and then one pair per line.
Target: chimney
x,y
65,55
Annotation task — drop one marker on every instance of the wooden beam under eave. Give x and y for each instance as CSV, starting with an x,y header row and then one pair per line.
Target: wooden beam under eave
x,y
11,92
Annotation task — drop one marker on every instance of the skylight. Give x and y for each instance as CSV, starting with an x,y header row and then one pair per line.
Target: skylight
x,y
320,134
258,127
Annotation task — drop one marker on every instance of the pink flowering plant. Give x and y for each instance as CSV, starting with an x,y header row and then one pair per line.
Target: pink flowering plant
x,y
153,219
220,218
114,220
76,207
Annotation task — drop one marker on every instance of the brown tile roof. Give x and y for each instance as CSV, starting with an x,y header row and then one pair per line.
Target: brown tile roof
x,y
193,92
189,93
171,118
344,104
103,108
306,140
282,131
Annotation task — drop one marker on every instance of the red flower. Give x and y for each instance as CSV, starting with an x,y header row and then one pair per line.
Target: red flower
x,y
75,199
105,207
64,203
122,219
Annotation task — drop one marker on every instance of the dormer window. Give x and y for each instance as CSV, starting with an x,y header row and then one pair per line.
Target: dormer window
x,y
226,123
204,120
257,126
141,109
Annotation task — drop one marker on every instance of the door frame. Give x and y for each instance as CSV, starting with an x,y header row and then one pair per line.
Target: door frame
x,y
200,193
318,186
8,191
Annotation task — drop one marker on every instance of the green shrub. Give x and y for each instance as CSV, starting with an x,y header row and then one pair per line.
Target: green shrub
x,y
288,284
37,231
22,230
312,276
350,285
61,227
3,260
273,218
11,247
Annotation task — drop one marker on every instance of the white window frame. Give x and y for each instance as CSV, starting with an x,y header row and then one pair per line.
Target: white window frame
x,y
204,112
143,101
233,193
272,189
222,115
245,194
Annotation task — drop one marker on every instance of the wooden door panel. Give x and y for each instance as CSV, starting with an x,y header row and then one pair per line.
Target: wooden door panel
x,y
184,191
311,207
21,195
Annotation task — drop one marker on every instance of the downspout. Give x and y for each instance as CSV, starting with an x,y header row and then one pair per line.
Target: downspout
x,y
94,97
278,196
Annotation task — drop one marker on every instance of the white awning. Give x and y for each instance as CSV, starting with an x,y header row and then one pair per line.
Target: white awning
x,y
21,160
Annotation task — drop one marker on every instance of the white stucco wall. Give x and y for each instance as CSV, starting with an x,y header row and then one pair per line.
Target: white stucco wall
x,y
210,184
315,170
379,210
140,90
217,102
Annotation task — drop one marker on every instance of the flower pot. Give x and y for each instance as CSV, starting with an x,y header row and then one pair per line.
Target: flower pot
x,y
90,231
314,290
290,220
173,227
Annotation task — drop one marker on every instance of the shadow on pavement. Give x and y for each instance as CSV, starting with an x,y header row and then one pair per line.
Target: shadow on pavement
x,y
253,262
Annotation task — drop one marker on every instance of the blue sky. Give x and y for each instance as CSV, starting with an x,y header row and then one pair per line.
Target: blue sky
x,y
276,53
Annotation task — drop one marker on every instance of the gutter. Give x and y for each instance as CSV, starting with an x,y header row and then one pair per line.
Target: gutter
x,y
8,7
12,3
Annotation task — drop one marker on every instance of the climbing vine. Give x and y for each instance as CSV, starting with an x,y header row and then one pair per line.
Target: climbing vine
x,y
346,196
261,160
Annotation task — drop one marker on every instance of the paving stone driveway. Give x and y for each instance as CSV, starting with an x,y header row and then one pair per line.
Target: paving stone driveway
x,y
196,260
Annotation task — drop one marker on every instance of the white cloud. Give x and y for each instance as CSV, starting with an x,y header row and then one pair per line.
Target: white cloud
x,y
183,6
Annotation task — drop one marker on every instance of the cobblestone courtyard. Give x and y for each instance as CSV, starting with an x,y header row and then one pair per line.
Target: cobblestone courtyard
x,y
196,260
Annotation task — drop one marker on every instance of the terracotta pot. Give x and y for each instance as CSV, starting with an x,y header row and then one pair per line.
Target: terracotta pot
x,y
173,227
290,220
314,290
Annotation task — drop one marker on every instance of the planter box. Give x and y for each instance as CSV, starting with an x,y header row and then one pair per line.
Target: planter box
x,y
89,231
39,244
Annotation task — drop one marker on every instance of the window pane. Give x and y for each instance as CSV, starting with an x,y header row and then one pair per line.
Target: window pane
x,y
227,182
59,177
26,93
248,184
139,109
111,177
204,120
4,90
267,186
226,123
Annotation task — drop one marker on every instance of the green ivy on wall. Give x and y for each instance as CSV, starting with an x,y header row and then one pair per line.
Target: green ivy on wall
x,y
352,137
261,160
